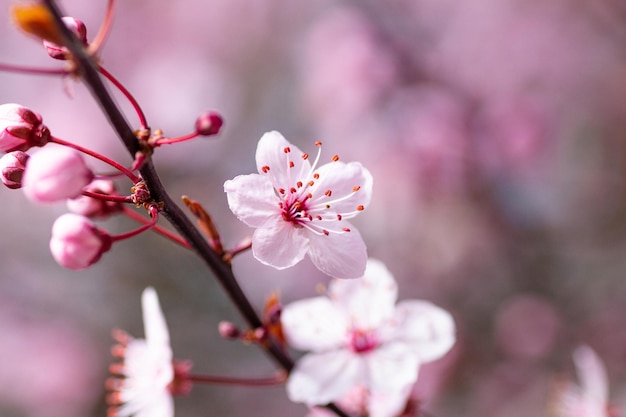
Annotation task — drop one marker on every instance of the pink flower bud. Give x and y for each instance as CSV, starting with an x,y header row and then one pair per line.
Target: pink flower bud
x,y
228,330
12,167
54,174
95,207
76,242
21,128
61,52
209,123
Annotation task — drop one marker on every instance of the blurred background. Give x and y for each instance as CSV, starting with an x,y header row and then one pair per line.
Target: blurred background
x,y
494,130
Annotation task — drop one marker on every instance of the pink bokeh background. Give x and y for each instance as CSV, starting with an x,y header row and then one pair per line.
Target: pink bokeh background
x,y
496,134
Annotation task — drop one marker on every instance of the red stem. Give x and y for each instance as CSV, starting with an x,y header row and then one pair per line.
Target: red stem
x,y
119,167
156,228
104,30
168,141
154,214
107,197
224,380
127,94
32,70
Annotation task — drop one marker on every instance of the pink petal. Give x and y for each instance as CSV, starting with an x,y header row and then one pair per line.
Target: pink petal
x,y
388,404
314,324
273,161
340,255
427,328
350,185
370,300
280,244
593,379
391,367
252,199
319,378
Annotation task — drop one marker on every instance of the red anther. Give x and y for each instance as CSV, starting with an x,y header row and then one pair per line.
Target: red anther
x,y
346,229
316,176
335,158
328,193
292,189
113,398
339,217
291,164
311,183
120,336
310,217
118,351
318,143
356,188
326,232
318,217
287,149
299,184
309,195
360,207
282,191
265,169
305,156
116,368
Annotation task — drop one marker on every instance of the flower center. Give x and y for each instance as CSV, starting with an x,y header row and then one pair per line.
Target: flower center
x,y
362,341
294,208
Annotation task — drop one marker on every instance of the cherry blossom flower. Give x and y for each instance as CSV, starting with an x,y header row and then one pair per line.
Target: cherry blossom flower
x,y
358,336
298,208
147,371
591,397
12,166
21,128
54,174
76,242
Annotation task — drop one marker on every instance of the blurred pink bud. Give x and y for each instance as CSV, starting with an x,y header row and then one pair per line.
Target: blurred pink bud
x,y
76,242
209,123
95,207
228,330
61,52
12,167
55,174
21,128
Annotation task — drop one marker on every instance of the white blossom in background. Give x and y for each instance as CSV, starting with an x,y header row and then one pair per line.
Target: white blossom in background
x,y
590,398
358,336
143,388
299,208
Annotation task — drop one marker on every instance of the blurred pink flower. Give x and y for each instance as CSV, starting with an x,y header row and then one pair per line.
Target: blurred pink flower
x,y
143,390
54,174
589,398
358,336
298,208
60,52
76,242
94,207
21,128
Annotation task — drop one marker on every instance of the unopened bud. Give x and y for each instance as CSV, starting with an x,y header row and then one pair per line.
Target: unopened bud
x,y
54,174
95,207
60,52
76,242
12,167
21,128
209,123
228,330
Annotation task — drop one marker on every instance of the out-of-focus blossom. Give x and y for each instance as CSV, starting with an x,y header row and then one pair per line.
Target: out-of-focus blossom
x,y
95,207
61,52
146,373
12,166
21,128
358,336
55,174
590,398
298,208
76,242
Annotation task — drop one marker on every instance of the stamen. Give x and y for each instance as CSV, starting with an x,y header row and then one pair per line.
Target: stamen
x,y
360,207
292,189
318,143
316,176
326,232
305,156
328,193
281,190
339,217
346,229
287,149
318,217
265,169
311,183
335,158
356,188
291,164
299,184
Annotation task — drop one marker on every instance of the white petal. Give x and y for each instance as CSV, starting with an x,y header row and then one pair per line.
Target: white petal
x,y
592,376
427,328
340,255
319,378
342,180
314,324
270,153
391,367
369,300
252,199
155,327
280,244
389,404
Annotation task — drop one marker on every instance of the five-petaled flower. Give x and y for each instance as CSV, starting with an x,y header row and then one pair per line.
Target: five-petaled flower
x,y
358,336
299,208
143,388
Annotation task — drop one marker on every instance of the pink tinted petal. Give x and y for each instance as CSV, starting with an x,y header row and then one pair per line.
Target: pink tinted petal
x,y
314,324
272,160
391,367
340,255
280,244
350,185
252,199
155,328
370,300
389,404
319,378
592,377
428,329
